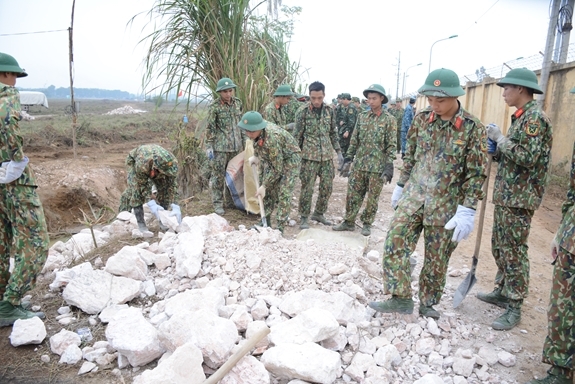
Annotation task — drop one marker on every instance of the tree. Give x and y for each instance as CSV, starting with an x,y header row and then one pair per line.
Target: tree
x,y
197,42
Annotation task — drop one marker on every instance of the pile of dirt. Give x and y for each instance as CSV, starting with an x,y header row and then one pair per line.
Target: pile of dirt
x,y
125,110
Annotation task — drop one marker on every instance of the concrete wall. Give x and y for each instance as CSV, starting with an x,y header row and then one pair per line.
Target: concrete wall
x,y
485,101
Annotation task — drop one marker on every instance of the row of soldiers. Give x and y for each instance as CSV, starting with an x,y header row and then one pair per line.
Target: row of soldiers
x,y
437,191
440,184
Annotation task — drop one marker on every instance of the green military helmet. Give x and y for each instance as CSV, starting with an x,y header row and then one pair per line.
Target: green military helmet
x,y
355,99
523,77
378,89
9,64
442,83
283,90
252,121
225,83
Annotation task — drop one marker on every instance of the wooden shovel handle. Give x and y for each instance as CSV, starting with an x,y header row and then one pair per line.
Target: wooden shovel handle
x,y
483,207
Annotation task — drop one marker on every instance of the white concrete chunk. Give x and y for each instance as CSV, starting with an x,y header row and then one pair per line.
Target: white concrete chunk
x,y
27,331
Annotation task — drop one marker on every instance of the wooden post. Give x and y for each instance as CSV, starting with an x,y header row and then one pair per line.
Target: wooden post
x,y
71,61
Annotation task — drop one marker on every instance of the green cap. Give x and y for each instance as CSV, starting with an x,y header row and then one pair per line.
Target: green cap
x,y
523,77
283,90
9,64
355,99
346,96
225,83
252,121
378,89
442,83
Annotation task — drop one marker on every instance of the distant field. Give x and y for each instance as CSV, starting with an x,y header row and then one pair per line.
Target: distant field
x,y
53,126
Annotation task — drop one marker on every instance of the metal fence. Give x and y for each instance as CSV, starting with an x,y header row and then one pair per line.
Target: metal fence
x,y
533,63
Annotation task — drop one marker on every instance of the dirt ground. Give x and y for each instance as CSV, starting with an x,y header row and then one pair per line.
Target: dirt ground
x,y
97,175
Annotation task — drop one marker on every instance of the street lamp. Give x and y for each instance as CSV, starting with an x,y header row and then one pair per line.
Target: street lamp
x,y
404,76
431,50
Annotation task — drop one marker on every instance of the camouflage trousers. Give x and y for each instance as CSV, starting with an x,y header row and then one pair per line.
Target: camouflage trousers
x,y
309,171
139,191
509,247
24,237
344,144
559,346
399,245
218,187
281,193
360,183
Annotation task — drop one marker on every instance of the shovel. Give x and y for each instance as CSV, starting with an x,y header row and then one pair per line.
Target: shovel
x,y
254,161
470,280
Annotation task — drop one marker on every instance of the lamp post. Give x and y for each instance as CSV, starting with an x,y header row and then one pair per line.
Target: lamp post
x,y
404,76
431,49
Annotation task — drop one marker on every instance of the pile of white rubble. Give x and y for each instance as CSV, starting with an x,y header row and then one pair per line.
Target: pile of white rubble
x,y
192,297
125,110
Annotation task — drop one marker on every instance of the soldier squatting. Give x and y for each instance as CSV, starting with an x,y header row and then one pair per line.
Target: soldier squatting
x,y
445,152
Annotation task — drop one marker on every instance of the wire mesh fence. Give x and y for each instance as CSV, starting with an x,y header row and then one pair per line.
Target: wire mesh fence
x,y
534,63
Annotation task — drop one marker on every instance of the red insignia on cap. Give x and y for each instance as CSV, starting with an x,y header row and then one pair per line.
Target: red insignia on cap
x,y
437,83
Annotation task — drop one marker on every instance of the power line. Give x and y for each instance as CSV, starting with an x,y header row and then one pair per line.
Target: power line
x,y
30,33
484,13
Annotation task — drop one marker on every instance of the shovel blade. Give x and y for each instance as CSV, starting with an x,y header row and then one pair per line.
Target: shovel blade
x,y
465,285
264,221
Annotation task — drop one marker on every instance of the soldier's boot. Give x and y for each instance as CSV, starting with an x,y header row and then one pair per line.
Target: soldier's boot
x,y
428,311
320,218
219,210
304,224
510,318
393,305
268,221
366,230
555,375
10,313
139,213
344,226
494,297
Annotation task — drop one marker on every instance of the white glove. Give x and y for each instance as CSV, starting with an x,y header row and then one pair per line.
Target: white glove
x,y
261,191
340,159
176,212
254,160
554,249
154,208
13,170
210,153
462,221
395,196
290,127
494,133
3,169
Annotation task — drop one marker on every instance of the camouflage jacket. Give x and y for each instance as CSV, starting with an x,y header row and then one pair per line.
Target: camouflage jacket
x,y
276,114
315,132
566,232
444,166
279,154
12,143
223,134
151,157
524,159
398,114
373,142
339,115
349,120
291,109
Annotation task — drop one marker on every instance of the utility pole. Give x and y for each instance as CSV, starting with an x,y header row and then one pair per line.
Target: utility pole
x,y
398,67
548,56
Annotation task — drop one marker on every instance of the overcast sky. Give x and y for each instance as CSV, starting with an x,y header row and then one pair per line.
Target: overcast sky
x,y
345,44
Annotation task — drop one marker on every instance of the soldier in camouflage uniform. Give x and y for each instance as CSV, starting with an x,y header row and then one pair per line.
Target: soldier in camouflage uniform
x,y
277,111
437,193
24,231
373,148
348,118
397,111
280,158
559,347
316,134
292,106
357,103
224,140
523,157
151,165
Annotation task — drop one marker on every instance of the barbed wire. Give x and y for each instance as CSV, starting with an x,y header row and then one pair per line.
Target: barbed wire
x,y
534,63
